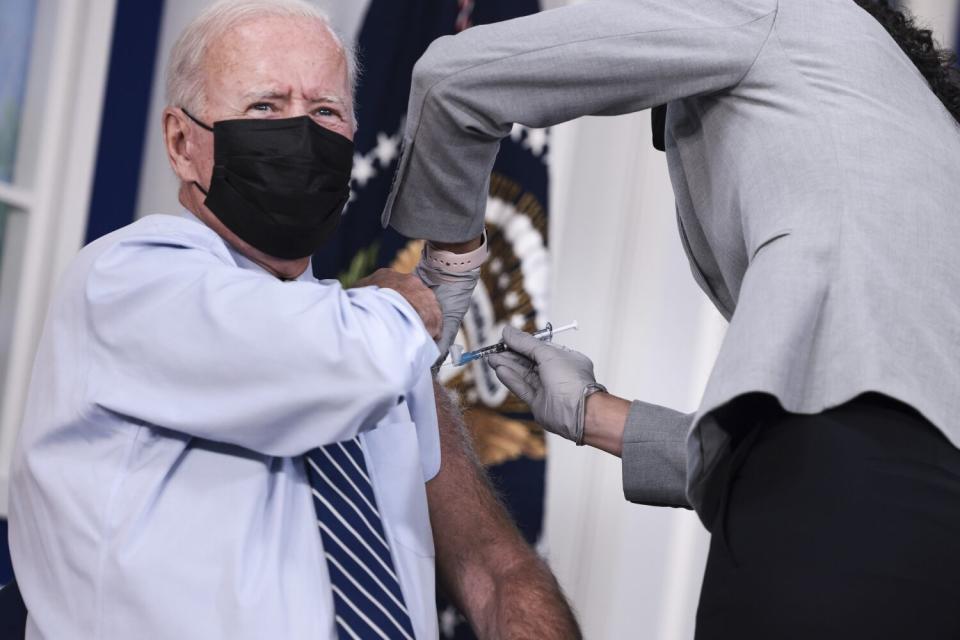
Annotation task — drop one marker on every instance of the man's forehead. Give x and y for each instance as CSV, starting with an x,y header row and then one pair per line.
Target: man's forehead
x,y
271,55
268,27
282,36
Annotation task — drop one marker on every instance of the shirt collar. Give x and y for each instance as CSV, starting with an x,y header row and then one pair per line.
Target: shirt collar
x,y
244,262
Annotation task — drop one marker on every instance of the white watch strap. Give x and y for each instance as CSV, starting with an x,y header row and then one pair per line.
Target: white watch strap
x,y
455,262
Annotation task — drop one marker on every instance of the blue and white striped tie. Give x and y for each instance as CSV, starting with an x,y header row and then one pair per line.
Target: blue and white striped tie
x,y
368,602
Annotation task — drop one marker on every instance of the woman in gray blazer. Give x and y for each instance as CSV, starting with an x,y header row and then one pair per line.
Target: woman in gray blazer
x,y
814,161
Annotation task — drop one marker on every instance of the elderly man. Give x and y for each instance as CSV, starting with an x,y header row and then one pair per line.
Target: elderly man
x,y
218,446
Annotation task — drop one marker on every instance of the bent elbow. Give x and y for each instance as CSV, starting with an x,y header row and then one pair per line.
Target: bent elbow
x,y
436,64
394,346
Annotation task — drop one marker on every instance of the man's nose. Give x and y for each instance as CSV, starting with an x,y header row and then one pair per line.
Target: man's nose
x,y
297,108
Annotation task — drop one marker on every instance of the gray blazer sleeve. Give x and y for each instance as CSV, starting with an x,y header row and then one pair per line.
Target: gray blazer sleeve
x,y
655,455
596,58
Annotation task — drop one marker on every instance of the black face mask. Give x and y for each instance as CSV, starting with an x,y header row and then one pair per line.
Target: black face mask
x,y
281,184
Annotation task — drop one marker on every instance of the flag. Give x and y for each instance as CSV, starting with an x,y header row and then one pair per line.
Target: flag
x,y
956,31
513,286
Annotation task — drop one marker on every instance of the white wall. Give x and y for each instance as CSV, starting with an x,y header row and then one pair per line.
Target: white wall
x,y
939,15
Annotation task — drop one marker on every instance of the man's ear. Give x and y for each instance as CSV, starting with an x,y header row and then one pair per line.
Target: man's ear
x,y
180,150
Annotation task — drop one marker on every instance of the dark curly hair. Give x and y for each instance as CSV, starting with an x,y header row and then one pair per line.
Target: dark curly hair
x,y
937,65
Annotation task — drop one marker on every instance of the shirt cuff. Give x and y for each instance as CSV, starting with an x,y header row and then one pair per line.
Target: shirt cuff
x,y
655,455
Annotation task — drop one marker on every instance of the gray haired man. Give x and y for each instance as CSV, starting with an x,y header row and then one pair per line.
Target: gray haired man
x,y
217,445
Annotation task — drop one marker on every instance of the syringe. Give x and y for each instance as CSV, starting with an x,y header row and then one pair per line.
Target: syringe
x,y
546,333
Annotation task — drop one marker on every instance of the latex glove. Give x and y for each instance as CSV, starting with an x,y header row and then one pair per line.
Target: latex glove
x,y
454,292
553,380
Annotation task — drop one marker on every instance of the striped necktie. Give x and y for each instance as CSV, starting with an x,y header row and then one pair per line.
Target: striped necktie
x,y
368,602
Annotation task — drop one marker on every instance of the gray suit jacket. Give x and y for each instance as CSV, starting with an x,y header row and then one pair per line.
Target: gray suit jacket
x,y
816,185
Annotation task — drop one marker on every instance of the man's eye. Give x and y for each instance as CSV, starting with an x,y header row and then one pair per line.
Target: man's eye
x,y
326,112
261,106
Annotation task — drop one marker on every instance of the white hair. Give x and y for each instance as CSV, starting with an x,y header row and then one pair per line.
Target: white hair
x,y
185,79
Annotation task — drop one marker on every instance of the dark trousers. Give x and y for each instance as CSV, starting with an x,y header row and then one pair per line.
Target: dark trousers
x,y
844,524
13,613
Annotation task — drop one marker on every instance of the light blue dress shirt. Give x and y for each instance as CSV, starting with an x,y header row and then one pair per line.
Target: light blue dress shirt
x,y
158,487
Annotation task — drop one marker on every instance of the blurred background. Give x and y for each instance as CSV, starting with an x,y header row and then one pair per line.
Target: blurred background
x,y
581,222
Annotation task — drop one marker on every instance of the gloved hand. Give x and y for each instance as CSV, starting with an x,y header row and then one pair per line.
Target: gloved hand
x,y
553,380
452,278
454,292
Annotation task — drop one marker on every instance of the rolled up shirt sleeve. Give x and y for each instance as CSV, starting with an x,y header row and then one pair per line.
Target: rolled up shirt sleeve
x,y
179,339
655,455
